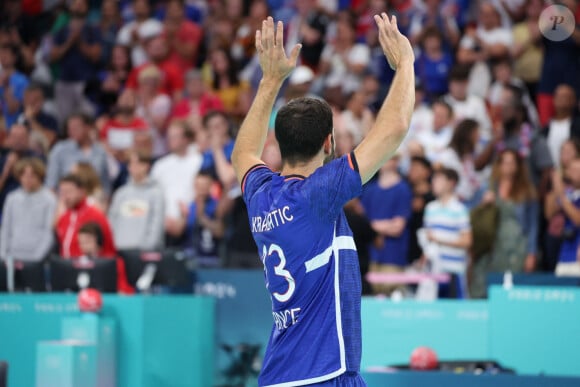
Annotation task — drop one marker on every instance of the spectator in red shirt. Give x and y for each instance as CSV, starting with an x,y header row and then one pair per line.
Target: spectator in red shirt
x,y
119,132
158,54
183,36
79,212
198,101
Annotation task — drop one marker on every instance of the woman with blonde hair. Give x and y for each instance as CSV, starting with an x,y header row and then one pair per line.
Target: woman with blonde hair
x,y
515,244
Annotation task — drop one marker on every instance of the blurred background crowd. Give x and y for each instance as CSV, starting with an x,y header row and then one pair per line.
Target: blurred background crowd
x,y
118,119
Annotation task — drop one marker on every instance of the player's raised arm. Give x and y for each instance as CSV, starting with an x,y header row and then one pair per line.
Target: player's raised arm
x,y
393,119
276,66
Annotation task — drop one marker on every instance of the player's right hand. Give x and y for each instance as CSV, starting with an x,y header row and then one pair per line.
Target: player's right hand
x,y
270,47
395,45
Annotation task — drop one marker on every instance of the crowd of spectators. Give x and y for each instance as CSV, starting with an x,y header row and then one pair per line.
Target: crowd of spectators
x,y
118,119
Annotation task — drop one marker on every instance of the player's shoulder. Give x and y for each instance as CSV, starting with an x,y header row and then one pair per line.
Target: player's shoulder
x,y
255,177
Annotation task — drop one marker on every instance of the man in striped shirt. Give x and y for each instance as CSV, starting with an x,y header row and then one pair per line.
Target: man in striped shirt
x,y
448,231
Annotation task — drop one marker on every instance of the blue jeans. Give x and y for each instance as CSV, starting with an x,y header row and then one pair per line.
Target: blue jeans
x,y
348,379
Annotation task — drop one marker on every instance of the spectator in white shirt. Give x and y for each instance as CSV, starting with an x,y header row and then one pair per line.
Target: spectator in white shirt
x,y
436,140
357,117
421,122
344,61
134,33
460,156
467,105
175,173
488,40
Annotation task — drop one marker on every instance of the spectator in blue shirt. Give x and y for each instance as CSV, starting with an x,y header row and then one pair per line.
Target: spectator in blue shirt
x,y
567,200
433,64
43,125
12,85
387,204
201,224
77,50
218,159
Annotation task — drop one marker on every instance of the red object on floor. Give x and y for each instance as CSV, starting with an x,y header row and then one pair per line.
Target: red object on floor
x,y
90,300
423,359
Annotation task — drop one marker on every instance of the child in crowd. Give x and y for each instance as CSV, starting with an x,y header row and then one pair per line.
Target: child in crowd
x,y
90,237
448,233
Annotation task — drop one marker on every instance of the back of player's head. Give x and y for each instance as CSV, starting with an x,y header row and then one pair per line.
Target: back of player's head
x,y
302,125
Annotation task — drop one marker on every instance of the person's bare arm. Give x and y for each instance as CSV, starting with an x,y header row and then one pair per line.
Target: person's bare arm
x,y
464,240
390,227
551,206
276,66
12,103
392,122
224,169
570,209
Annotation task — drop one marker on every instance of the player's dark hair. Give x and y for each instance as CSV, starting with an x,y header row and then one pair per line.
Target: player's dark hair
x,y
301,127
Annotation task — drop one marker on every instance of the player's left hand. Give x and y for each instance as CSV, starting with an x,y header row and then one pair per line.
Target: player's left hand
x,y
275,64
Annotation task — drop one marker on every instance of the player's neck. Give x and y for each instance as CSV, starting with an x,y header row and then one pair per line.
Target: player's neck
x,y
302,169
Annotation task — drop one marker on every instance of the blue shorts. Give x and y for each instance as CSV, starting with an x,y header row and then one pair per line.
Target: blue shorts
x,y
348,379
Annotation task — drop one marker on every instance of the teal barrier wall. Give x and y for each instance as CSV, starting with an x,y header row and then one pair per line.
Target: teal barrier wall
x,y
454,329
536,329
163,340
509,328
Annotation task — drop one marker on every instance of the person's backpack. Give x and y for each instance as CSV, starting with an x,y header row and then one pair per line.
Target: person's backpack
x,y
484,221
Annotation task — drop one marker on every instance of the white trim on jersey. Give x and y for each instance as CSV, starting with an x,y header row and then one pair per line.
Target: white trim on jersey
x,y
335,246
338,243
342,242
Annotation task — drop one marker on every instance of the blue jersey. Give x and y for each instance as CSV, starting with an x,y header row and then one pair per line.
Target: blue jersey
x,y
311,271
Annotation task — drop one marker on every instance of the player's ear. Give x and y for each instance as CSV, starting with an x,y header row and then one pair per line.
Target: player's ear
x,y
328,145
